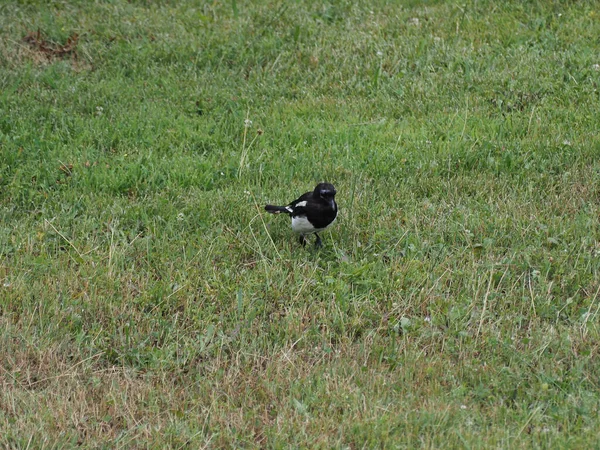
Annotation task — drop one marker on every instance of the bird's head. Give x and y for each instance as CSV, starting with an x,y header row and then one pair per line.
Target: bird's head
x,y
326,191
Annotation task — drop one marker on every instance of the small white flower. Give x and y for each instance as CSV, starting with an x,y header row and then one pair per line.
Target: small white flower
x,y
180,217
463,406
6,284
247,192
99,110
567,142
427,319
414,21
596,67
222,174
380,53
247,123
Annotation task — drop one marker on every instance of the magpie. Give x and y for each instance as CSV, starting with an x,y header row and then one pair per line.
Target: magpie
x,y
312,212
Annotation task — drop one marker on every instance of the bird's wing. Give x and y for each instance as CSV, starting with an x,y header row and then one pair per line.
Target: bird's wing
x,y
298,205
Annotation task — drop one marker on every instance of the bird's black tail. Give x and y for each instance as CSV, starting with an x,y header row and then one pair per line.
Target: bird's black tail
x,y
276,209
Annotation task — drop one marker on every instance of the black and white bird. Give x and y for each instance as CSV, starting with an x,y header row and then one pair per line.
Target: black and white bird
x,y
312,212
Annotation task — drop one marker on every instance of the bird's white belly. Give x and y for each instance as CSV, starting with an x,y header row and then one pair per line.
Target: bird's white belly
x,y
301,225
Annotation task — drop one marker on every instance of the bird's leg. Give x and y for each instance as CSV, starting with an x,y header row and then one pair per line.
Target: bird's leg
x,y
302,240
318,243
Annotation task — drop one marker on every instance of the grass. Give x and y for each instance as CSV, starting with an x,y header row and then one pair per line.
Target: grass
x,y
147,301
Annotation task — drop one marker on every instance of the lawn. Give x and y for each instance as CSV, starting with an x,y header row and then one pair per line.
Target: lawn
x,y
148,301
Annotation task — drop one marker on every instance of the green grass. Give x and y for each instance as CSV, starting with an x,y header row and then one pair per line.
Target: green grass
x,y
146,300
